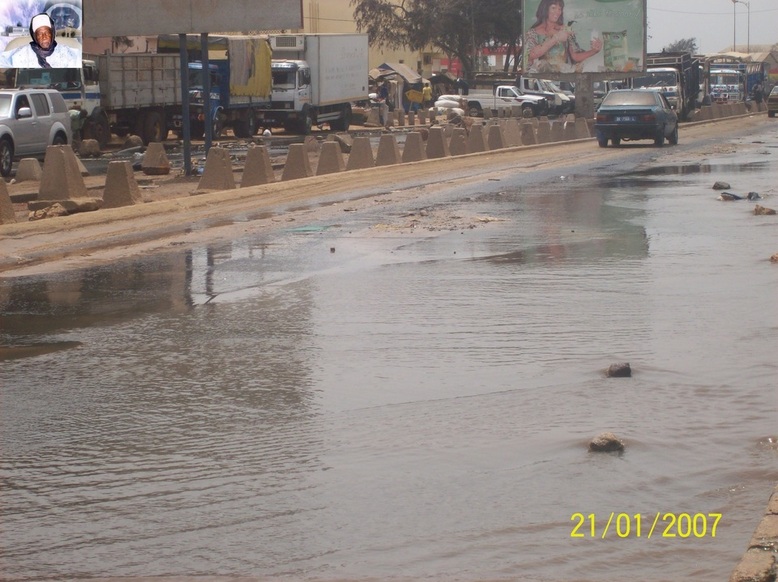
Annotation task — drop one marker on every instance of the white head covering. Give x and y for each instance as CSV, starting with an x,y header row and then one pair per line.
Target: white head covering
x,y
40,20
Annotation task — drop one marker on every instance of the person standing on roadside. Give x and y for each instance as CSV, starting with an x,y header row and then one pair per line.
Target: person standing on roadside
x,y
43,52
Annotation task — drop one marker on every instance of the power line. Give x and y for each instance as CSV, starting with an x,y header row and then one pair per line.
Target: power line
x,y
698,13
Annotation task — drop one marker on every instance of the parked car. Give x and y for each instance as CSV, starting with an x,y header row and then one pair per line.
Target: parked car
x,y
631,114
772,102
30,121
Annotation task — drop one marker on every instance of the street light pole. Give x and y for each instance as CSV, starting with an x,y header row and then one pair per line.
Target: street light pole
x,y
734,26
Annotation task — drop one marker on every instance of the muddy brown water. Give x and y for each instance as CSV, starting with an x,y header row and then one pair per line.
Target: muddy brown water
x,y
403,396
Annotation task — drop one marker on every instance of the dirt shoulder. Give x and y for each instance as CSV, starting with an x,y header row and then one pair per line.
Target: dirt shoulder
x,y
174,214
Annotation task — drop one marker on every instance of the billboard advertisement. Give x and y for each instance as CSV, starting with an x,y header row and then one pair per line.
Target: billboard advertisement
x,y
152,17
584,36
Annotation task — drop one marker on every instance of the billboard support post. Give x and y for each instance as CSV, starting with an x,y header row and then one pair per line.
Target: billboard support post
x,y
186,131
206,72
584,96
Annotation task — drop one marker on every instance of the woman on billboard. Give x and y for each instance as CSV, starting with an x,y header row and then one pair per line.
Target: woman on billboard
x,y
551,46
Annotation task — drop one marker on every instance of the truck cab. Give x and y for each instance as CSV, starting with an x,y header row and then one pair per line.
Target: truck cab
x,y
727,85
219,98
291,91
665,80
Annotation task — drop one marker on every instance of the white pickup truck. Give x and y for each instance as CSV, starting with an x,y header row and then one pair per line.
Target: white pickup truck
x,y
503,97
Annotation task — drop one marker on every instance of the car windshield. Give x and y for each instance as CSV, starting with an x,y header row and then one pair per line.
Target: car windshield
x,y
57,78
630,98
655,79
5,105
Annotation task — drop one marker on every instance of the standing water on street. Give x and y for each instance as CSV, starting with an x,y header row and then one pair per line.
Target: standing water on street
x,y
409,395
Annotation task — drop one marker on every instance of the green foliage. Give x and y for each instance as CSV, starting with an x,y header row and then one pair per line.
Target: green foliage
x,y
456,27
685,45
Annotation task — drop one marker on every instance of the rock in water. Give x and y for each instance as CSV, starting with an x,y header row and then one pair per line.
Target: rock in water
x,y
606,442
619,370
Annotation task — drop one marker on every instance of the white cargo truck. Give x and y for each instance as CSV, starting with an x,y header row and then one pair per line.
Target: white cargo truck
x,y
316,78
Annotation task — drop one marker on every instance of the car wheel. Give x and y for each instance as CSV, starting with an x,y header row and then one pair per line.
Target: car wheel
x,y
59,139
474,110
673,139
602,141
659,140
6,156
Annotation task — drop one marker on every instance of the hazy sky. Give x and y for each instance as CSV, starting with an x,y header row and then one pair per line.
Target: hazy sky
x,y
711,23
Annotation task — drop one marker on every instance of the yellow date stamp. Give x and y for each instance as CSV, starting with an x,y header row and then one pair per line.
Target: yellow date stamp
x,y
636,525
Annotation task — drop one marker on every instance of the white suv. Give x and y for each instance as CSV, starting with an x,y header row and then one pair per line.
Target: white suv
x,y
30,121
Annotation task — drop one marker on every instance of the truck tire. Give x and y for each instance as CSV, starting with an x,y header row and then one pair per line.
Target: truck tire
x,y
154,128
344,121
97,127
246,126
196,129
6,156
306,122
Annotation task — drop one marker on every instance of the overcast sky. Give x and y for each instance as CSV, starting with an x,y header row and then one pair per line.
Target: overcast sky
x,y
711,23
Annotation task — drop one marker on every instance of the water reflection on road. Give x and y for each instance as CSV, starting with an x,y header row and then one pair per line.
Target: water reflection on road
x,y
335,401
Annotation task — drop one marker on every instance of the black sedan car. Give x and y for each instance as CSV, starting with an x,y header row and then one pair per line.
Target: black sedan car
x,y
627,114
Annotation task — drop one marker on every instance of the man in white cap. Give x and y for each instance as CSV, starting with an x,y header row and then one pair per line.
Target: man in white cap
x,y
44,51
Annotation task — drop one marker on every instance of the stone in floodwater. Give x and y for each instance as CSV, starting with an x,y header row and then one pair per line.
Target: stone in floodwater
x,y
622,370
721,186
606,442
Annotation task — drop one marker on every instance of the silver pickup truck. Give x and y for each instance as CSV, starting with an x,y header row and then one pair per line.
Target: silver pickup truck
x,y
503,97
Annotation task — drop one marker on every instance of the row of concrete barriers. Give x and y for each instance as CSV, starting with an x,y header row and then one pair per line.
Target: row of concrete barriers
x,y
63,175
437,141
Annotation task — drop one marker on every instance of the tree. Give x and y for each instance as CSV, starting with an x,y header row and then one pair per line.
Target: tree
x,y
685,45
457,27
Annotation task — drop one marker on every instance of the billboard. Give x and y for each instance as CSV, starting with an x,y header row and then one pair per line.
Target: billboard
x,y
153,17
584,36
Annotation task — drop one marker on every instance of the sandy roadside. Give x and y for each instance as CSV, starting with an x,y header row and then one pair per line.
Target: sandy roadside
x,y
172,206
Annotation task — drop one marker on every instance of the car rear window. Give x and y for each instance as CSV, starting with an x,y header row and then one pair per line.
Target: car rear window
x,y
629,98
41,104
58,103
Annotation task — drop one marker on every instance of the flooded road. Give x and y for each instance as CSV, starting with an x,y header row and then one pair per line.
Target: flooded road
x,y
408,393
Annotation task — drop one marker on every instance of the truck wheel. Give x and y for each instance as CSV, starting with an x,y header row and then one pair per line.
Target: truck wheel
x,y
98,128
474,110
6,156
247,126
154,128
306,123
59,139
196,129
343,122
